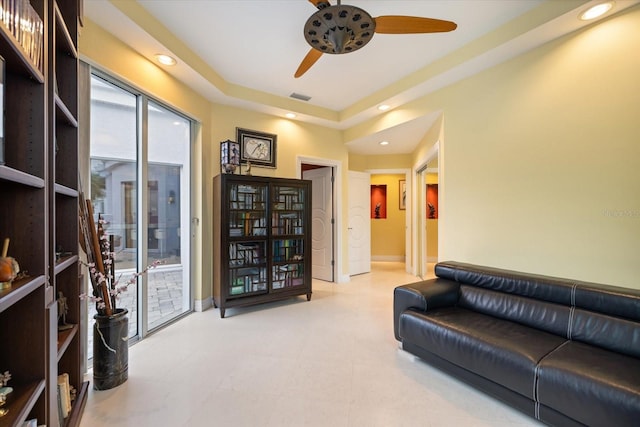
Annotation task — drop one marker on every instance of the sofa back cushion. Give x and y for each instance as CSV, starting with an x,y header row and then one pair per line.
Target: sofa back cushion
x,y
601,315
613,333
546,316
540,287
610,300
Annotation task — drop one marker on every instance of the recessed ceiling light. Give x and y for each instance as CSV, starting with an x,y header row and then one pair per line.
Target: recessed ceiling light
x,y
165,59
290,115
596,11
383,107
384,142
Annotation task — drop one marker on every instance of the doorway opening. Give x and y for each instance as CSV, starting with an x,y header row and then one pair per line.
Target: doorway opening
x,y
325,245
399,208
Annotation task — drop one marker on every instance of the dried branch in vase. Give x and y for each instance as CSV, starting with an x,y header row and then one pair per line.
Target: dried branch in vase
x,y
106,287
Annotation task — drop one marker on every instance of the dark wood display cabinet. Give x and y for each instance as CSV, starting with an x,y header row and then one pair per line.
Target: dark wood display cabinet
x,y
262,240
39,210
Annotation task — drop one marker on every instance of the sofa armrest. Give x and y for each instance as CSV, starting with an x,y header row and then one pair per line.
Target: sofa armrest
x,y
423,296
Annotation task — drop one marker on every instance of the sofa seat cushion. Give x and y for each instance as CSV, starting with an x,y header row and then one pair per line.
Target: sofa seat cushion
x,y
501,351
592,385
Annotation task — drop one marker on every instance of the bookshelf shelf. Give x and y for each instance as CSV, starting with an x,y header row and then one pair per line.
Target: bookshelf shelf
x,y
65,338
19,177
21,401
18,290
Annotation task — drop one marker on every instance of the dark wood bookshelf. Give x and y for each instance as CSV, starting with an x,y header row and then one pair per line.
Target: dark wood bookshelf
x,y
39,176
262,240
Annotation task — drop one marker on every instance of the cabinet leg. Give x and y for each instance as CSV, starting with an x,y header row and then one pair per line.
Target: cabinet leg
x,y
309,296
222,313
214,304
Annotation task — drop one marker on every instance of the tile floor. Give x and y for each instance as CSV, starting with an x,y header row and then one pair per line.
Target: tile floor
x,y
332,361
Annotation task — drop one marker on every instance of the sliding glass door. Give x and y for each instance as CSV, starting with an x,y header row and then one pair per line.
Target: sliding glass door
x,y
140,162
169,138
114,183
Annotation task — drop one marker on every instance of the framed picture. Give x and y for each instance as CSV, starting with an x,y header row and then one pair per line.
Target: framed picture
x,y
403,194
258,148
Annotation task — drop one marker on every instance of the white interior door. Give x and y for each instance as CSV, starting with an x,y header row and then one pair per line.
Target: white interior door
x,y
359,223
321,222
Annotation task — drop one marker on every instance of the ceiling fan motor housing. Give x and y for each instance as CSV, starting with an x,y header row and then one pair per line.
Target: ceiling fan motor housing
x,y
339,29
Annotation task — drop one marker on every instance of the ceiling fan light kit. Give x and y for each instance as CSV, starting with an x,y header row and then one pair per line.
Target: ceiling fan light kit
x,y
343,29
339,29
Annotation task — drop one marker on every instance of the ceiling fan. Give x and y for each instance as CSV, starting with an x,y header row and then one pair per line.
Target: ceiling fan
x,y
342,29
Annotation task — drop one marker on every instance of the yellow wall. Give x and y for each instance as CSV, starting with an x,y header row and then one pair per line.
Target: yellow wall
x,y
388,234
539,164
433,135
361,163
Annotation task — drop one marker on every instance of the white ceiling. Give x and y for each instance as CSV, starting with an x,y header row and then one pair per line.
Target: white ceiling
x,y
244,53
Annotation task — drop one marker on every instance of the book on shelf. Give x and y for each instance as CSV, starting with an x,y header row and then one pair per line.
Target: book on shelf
x,y
64,393
60,407
246,189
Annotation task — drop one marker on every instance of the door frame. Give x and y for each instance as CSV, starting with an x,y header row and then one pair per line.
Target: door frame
x,y
408,245
338,232
419,215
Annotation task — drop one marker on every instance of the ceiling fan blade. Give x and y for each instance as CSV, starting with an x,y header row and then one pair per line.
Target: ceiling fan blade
x,y
320,4
307,62
412,25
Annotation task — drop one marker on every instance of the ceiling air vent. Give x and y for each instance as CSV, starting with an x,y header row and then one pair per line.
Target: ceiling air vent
x,y
300,96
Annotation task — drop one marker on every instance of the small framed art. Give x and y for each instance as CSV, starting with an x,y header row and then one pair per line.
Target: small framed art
x,y
403,194
257,148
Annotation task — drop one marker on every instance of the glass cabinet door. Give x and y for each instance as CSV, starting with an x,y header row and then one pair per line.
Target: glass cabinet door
x,y
287,228
247,239
247,268
247,210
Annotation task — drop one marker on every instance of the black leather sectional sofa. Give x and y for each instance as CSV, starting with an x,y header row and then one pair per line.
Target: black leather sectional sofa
x,y
562,351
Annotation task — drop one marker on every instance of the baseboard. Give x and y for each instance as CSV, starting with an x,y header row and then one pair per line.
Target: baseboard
x,y
345,278
202,305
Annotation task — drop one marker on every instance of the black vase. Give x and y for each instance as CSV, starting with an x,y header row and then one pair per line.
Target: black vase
x,y
110,349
